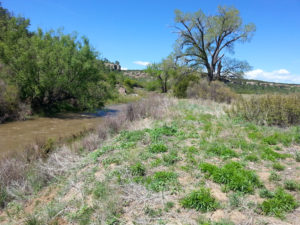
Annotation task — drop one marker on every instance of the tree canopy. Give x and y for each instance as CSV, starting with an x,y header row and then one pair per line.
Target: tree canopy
x,y
203,40
51,70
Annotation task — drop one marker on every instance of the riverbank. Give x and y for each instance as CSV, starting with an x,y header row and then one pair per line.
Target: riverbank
x,y
169,161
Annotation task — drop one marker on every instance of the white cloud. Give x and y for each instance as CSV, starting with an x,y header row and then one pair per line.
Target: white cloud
x,y
124,68
281,76
141,63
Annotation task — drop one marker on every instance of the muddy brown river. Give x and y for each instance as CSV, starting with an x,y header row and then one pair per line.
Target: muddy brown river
x,y
14,136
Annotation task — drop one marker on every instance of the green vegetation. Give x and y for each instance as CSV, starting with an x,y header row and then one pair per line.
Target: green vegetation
x,y
277,166
201,200
233,175
162,181
158,148
162,158
278,205
138,169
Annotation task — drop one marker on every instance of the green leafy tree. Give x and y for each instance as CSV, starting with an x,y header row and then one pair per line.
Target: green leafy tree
x,y
51,70
163,72
203,40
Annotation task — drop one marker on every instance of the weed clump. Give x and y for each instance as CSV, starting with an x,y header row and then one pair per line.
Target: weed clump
x,y
269,154
158,148
278,205
274,177
222,151
171,158
162,181
201,200
277,166
138,169
265,193
233,175
291,185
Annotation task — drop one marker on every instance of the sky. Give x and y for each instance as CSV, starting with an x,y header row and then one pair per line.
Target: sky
x,y
139,32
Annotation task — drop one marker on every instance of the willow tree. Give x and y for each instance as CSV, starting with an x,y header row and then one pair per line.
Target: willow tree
x,y
204,40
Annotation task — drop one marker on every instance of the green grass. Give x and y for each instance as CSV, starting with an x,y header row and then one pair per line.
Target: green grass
x,y
233,175
265,193
201,200
138,169
100,190
162,181
171,158
291,185
279,205
274,177
277,166
221,150
158,148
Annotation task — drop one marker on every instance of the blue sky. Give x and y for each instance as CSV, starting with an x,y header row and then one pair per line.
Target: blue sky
x,y
137,32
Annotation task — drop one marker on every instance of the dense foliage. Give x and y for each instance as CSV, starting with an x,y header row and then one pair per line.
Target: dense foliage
x,y
51,71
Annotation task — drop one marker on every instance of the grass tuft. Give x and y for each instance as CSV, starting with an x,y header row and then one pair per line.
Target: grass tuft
x,y
201,200
278,205
233,175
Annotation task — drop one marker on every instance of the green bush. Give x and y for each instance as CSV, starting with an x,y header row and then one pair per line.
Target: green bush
x,y
216,91
10,106
278,205
201,200
233,175
181,85
275,109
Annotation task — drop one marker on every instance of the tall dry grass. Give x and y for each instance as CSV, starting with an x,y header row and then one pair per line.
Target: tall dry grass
x,y
272,109
216,91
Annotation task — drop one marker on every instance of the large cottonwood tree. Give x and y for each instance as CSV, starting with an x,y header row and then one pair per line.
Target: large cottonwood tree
x,y
204,40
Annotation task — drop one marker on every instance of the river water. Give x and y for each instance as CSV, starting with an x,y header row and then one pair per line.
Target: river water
x,y
14,136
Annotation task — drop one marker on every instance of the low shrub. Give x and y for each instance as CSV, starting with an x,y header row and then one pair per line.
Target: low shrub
x,y
275,109
11,107
201,200
278,205
216,91
233,175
